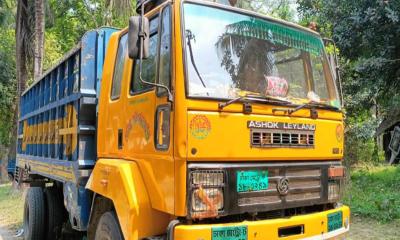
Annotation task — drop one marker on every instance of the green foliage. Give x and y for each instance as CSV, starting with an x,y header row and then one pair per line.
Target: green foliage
x,y
367,34
373,192
72,18
6,12
66,22
52,50
7,83
280,9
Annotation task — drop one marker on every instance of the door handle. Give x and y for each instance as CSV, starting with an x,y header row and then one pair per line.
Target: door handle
x,y
120,139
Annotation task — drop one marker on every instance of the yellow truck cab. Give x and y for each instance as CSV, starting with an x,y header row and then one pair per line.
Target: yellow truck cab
x,y
205,122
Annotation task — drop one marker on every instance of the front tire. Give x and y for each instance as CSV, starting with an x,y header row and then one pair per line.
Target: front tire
x,y
34,214
108,227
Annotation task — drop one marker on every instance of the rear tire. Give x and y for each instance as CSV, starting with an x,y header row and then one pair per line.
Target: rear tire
x,y
55,213
34,214
108,227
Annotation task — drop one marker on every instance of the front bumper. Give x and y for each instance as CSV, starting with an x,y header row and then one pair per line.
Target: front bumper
x,y
315,227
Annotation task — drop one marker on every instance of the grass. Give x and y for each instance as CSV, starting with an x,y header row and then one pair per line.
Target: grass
x,y
374,192
11,207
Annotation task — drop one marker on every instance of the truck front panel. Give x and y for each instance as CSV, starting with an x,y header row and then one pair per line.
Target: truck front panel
x,y
319,225
227,136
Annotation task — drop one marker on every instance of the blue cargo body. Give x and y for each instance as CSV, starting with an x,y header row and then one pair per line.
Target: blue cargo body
x,y
11,168
57,124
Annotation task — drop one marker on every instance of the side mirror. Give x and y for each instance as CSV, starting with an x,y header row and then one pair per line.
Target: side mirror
x,y
334,64
138,37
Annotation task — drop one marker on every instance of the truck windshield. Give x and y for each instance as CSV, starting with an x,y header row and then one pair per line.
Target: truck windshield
x,y
230,54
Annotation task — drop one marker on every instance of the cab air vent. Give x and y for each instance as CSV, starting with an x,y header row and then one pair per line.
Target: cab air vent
x,y
281,138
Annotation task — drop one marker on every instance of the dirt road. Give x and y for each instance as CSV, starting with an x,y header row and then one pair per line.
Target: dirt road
x,y
366,229
6,234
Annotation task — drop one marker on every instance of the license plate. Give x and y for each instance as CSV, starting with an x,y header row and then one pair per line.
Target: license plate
x,y
229,233
250,181
335,221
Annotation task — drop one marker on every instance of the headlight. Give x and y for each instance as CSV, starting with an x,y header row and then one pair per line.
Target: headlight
x,y
202,198
207,193
208,178
335,175
333,190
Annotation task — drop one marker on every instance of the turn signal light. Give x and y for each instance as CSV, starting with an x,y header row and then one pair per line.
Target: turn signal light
x,y
336,172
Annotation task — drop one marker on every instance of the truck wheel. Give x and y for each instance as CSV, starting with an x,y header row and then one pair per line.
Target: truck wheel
x,y
108,228
55,213
34,214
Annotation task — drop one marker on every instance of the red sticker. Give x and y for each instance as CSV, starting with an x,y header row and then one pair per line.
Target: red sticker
x,y
277,87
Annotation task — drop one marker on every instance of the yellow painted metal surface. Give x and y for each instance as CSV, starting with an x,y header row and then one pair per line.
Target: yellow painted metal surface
x,y
64,173
122,182
134,116
314,225
234,144
180,115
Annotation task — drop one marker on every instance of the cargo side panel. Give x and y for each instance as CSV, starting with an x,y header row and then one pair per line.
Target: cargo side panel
x,y
57,125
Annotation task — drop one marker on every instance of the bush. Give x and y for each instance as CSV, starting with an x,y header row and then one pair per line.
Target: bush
x,y
373,192
360,142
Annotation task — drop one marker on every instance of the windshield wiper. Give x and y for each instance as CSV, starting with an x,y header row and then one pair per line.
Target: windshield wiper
x,y
190,36
311,105
268,99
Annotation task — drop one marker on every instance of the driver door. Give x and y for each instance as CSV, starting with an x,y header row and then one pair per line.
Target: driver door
x,y
148,115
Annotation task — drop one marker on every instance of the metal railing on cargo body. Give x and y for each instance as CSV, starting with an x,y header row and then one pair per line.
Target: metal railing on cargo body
x,y
58,111
57,125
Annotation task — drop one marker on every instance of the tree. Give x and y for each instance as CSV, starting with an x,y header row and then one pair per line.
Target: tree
x,y
7,81
39,39
23,44
367,33
280,9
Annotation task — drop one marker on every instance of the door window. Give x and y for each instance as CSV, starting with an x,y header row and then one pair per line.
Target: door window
x,y
149,65
119,67
165,49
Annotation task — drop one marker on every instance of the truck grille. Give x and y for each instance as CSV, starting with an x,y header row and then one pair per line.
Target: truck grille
x,y
281,138
304,185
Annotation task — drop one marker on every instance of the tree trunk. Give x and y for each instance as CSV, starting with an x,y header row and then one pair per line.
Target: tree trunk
x,y
21,69
39,39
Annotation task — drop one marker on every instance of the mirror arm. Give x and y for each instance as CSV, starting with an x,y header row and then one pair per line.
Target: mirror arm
x,y
142,35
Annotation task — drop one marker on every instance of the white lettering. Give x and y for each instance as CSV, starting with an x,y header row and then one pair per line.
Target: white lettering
x,y
281,125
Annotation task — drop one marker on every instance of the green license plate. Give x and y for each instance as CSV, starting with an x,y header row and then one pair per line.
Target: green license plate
x,y
335,221
229,233
250,181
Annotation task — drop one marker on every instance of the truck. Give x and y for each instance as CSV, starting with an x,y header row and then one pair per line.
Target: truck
x,y
388,133
199,120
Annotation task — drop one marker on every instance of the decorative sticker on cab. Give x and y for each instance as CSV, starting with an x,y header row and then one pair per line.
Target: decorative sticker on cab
x,y
339,132
138,119
200,127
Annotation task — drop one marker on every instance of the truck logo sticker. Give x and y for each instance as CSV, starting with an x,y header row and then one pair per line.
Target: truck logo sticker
x,y
138,119
281,125
339,132
200,127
